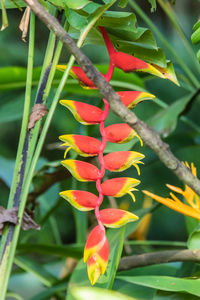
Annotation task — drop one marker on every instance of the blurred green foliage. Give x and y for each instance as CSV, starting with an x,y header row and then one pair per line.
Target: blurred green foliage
x,y
175,114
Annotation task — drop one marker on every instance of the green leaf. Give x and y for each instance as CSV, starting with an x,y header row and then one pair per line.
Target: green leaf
x,y
58,3
165,120
196,25
166,283
12,110
76,4
153,5
75,19
85,293
74,251
48,293
194,239
6,170
31,266
13,4
123,3
196,36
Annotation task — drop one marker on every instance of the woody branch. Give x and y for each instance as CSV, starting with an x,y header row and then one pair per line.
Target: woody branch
x,y
148,135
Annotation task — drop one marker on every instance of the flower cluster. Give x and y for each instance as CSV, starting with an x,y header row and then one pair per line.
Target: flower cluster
x,y
192,208
96,252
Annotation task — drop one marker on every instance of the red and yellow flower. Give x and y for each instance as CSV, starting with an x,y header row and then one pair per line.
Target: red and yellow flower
x,y
118,187
81,170
122,160
121,133
81,144
84,113
115,218
81,200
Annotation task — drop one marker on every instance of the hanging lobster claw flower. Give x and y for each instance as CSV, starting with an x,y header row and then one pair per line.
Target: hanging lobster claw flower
x,y
79,74
115,218
97,263
122,160
121,133
84,113
118,187
83,145
81,170
81,200
131,98
95,241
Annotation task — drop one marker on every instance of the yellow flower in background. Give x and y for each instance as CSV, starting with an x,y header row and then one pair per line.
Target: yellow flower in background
x,y
192,208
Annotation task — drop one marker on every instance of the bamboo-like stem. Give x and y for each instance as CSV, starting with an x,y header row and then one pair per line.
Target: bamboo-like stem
x,y
7,249
165,42
149,136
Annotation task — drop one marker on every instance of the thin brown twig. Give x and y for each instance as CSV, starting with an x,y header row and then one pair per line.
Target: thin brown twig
x,y
160,257
149,136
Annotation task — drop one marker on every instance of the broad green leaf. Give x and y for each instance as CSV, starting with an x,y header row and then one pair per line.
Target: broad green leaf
x,y
85,293
194,239
123,3
31,266
166,283
196,36
58,3
12,110
153,5
74,251
76,4
162,295
48,293
13,4
75,19
6,170
165,120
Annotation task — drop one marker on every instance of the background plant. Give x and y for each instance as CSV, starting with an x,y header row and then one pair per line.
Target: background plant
x,y
164,119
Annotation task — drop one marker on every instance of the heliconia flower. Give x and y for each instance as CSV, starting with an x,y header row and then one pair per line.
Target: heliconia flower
x,y
95,242
97,263
121,133
122,160
84,113
131,98
191,209
79,74
129,63
118,187
115,218
81,170
81,200
83,145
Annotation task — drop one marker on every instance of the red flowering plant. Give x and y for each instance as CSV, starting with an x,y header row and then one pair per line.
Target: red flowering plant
x,y
96,252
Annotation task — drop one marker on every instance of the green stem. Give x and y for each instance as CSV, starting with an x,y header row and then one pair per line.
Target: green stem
x,y
4,16
173,18
156,243
164,41
6,262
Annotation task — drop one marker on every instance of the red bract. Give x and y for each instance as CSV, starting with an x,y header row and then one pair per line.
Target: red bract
x,y
81,170
81,200
131,98
118,187
121,133
122,160
114,218
83,145
84,113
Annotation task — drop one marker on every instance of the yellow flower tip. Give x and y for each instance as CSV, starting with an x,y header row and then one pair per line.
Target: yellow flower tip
x,y
175,188
137,168
141,141
132,195
146,96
